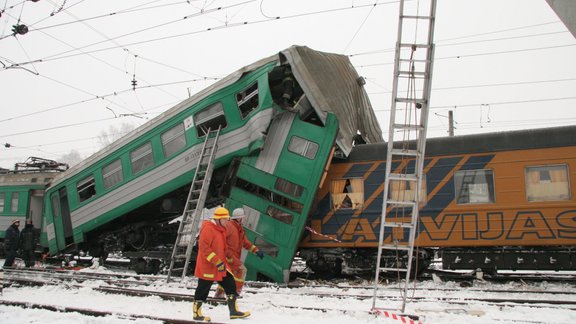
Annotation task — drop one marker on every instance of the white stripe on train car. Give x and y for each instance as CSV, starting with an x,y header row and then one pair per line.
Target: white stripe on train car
x,y
176,167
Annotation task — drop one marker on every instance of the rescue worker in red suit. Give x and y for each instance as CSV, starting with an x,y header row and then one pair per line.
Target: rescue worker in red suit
x,y
211,265
235,241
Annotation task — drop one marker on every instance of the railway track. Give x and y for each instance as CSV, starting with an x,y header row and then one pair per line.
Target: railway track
x,y
136,285
338,300
98,313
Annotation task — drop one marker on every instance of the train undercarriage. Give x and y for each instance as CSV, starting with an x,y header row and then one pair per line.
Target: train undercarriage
x,y
338,262
147,234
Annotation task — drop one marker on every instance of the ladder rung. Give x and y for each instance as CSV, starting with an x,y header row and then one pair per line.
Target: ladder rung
x,y
403,177
415,45
412,73
404,152
393,269
395,247
416,17
408,127
411,100
407,203
398,224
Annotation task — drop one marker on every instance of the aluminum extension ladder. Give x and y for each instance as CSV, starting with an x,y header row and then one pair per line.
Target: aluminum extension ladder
x,y
407,139
192,215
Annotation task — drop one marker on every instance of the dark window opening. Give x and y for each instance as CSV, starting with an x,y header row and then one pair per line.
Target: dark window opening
x,y
86,188
211,118
280,215
247,100
288,187
269,195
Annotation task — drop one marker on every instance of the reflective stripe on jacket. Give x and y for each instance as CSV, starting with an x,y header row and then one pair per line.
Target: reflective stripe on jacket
x,y
235,241
211,250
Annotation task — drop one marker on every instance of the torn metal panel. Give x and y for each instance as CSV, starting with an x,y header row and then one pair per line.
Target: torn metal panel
x,y
331,84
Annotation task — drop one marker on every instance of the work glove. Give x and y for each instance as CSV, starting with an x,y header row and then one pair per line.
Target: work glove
x,y
260,254
221,267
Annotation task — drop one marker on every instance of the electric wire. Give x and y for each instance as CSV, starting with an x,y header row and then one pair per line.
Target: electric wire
x,y
99,97
62,55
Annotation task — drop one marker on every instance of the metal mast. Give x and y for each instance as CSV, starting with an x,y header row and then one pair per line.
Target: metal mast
x,y
407,141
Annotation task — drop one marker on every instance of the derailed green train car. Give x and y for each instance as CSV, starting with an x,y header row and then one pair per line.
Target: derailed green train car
x,y
279,117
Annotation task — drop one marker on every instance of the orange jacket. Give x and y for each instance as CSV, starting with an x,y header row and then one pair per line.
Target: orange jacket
x,y
235,241
211,251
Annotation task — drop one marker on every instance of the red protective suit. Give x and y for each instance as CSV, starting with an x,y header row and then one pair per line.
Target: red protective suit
x,y
235,240
211,250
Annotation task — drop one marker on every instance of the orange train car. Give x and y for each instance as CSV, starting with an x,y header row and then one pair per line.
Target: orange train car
x,y
491,201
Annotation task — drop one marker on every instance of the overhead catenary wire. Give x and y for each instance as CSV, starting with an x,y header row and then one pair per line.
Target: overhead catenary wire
x,y
98,97
62,55
207,78
122,91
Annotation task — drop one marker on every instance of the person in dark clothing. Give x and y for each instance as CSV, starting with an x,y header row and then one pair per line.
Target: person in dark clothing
x,y
11,240
28,243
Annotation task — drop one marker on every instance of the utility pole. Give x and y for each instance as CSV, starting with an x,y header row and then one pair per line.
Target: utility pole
x,y
450,123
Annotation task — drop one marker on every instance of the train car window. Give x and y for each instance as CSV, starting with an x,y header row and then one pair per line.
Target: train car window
x,y
280,215
211,118
112,174
266,247
269,195
303,147
406,191
2,199
547,183
86,188
474,186
55,204
247,100
347,193
288,187
14,202
141,158
173,140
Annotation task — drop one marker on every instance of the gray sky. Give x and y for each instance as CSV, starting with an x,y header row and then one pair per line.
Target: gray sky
x,y
500,64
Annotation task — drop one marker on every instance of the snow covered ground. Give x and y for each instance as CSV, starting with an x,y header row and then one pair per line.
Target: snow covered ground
x,y
446,303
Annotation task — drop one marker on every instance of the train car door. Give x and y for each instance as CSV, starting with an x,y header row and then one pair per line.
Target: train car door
x,y
35,213
61,223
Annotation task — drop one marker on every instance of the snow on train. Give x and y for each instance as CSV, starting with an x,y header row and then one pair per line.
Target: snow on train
x,y
491,201
281,119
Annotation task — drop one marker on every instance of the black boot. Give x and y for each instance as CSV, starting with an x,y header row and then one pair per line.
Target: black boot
x,y
198,312
234,312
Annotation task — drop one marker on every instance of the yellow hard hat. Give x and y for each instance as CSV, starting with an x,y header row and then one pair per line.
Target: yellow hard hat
x,y
221,213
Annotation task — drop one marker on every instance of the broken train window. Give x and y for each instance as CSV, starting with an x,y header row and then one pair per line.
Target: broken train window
x,y
210,118
247,100
347,193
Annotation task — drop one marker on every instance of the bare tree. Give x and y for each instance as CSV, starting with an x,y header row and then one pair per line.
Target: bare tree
x,y
108,137
71,158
